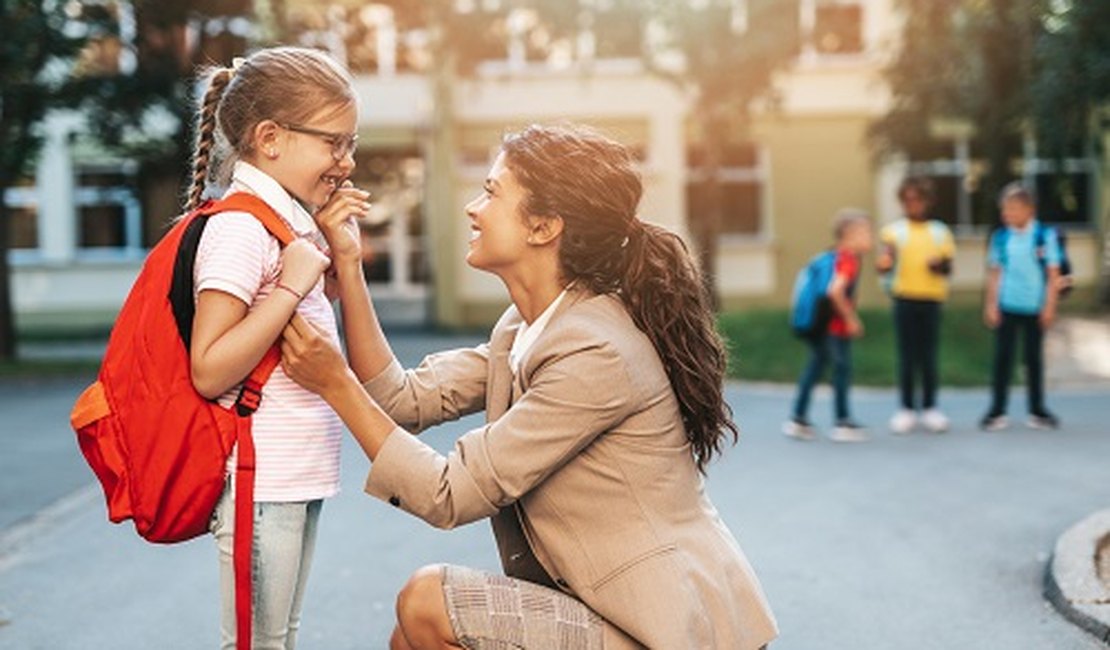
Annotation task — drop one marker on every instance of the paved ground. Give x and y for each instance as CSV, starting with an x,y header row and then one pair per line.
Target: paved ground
x,y
919,542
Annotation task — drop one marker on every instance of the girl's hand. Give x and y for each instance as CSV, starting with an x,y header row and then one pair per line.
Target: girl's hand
x,y
338,220
302,263
309,358
991,316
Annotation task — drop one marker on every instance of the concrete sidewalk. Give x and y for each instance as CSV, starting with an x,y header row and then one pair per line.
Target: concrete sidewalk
x,y
915,542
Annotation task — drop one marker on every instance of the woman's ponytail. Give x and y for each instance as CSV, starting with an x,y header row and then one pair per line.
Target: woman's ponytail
x,y
664,293
206,135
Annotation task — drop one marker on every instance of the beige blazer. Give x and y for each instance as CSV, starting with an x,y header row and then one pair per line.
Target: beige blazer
x,y
584,467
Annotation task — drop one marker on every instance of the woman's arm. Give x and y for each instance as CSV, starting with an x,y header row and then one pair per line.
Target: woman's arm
x,y
367,348
314,363
229,340
564,409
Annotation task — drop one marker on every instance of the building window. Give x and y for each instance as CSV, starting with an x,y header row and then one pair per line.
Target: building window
x,y
1063,198
743,188
108,211
832,27
394,250
838,28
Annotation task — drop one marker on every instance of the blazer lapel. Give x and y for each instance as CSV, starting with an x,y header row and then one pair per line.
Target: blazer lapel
x,y
500,379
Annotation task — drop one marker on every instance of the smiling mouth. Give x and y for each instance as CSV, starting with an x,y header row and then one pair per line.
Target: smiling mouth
x,y
332,181
475,233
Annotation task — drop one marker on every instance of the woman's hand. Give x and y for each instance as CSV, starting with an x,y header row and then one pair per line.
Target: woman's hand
x,y
301,266
310,358
338,220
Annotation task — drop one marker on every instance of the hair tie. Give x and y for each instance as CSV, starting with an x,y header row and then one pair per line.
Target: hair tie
x,y
236,63
635,227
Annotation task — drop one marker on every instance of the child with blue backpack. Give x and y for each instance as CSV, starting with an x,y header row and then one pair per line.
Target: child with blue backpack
x,y
916,260
1024,261
824,315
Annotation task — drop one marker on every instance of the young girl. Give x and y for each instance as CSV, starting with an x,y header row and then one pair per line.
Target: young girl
x,y
282,124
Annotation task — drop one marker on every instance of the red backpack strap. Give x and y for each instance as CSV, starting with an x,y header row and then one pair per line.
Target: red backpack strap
x,y
245,202
250,397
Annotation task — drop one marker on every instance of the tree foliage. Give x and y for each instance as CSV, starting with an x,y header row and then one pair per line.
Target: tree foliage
x,y
37,49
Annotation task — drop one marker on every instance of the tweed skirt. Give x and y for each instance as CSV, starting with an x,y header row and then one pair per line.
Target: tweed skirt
x,y
496,612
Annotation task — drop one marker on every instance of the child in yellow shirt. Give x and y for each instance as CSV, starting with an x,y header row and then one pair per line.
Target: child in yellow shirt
x,y
915,261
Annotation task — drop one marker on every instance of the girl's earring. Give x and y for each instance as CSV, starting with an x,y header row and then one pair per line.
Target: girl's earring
x,y
272,153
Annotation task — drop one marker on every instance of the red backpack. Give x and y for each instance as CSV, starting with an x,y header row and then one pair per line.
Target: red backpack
x,y
158,448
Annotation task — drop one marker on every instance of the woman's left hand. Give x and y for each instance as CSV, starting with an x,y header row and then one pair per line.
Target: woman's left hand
x,y
310,358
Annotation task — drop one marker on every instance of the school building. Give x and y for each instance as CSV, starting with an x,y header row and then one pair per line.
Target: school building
x,y
82,228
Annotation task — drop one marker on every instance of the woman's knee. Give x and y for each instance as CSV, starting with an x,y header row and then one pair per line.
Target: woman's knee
x,y
421,609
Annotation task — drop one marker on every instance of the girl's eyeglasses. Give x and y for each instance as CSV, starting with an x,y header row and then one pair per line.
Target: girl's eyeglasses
x,y
342,144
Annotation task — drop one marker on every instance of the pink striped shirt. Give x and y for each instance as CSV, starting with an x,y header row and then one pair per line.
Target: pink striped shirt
x,y
296,435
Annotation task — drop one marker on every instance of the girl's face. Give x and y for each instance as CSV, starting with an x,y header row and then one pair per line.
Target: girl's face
x,y
1016,213
914,205
316,157
498,230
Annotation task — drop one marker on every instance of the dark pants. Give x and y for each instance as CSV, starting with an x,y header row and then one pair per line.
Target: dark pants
x,y
917,331
821,351
1004,341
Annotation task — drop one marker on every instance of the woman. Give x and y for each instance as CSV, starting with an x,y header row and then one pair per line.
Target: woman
x,y
602,386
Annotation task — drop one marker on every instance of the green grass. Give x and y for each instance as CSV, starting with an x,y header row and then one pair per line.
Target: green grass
x,y
763,348
43,368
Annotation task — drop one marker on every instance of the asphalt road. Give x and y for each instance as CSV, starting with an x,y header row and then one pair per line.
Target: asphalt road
x,y
915,542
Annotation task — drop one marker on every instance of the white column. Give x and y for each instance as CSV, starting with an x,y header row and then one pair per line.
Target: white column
x,y
55,182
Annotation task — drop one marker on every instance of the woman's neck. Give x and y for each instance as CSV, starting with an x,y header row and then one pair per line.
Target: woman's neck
x,y
532,295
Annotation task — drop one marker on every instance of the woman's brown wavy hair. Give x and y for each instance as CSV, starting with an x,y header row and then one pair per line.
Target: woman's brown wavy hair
x,y
592,183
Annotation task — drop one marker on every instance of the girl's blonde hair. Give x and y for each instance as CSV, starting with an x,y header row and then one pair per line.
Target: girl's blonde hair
x,y
289,85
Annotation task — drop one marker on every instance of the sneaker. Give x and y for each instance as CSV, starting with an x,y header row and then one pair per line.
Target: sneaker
x,y
994,422
799,429
848,431
903,421
934,420
1043,420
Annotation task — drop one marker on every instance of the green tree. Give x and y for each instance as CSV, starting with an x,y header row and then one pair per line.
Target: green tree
x,y
971,60
727,63
36,54
1071,94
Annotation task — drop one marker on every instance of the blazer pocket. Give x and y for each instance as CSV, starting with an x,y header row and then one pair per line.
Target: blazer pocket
x,y
632,564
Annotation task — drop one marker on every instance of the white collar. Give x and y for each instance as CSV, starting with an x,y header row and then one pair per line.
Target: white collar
x,y
246,177
526,334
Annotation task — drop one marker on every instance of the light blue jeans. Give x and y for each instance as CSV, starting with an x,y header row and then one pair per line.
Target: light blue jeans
x,y
284,540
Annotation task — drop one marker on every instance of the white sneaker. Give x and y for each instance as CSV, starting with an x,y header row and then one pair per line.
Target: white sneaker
x,y
903,421
934,420
848,431
799,430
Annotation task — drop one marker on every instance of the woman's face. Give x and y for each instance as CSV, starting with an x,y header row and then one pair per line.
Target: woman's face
x,y
498,230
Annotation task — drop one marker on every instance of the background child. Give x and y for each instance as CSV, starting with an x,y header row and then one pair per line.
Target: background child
x,y
283,125
852,230
917,256
1021,295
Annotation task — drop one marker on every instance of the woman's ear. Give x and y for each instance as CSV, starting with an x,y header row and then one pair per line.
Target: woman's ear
x,y
544,230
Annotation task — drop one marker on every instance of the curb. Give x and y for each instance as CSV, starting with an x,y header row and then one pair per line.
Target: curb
x,y
1071,581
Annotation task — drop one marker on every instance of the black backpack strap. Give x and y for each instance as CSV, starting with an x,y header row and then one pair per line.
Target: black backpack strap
x,y
181,289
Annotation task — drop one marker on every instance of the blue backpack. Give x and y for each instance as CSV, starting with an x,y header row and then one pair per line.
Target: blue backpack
x,y
1001,235
810,308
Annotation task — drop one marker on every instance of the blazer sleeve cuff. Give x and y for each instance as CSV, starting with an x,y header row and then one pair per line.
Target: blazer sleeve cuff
x,y
412,476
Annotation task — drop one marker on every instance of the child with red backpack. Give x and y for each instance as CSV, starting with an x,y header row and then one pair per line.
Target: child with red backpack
x,y
191,426
289,117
